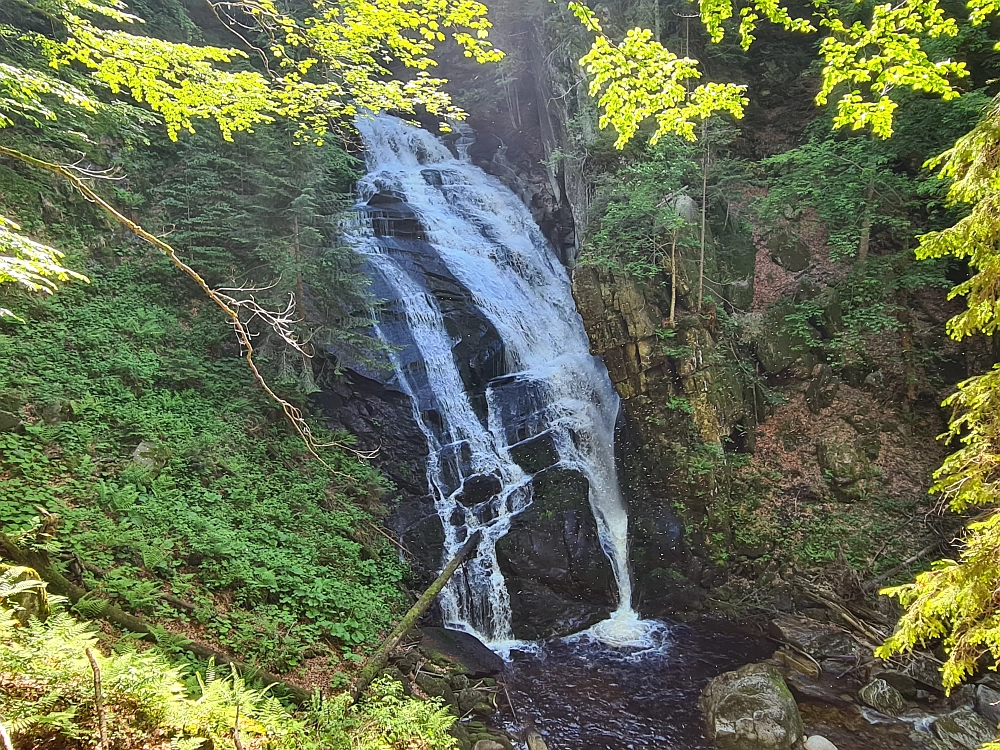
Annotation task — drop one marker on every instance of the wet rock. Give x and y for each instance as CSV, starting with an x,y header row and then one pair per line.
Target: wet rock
x,y
536,453
751,709
883,697
479,489
905,684
487,745
988,703
819,640
557,573
963,730
817,742
808,689
470,656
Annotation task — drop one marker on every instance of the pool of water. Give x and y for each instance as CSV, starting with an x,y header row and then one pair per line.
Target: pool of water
x,y
583,695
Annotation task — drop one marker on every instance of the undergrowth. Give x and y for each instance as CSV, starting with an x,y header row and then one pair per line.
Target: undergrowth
x,y
48,697
145,435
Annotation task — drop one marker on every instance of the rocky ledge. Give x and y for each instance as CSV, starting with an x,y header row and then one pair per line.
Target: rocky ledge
x,y
822,690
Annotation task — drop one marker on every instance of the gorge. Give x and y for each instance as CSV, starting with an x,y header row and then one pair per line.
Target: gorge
x,y
684,392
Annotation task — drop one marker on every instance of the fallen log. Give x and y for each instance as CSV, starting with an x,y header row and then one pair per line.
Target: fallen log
x,y
58,583
376,663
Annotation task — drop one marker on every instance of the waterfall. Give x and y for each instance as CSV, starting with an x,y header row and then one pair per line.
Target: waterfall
x,y
487,240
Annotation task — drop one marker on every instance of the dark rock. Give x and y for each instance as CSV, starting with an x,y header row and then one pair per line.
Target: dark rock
x,y
926,670
788,250
963,730
905,684
471,656
436,687
819,640
557,573
9,422
988,703
536,453
822,390
751,709
479,488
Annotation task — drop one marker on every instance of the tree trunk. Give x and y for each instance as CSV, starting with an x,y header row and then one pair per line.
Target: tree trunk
x,y
377,662
704,214
866,222
673,277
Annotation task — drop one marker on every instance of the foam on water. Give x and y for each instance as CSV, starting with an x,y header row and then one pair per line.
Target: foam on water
x,y
488,241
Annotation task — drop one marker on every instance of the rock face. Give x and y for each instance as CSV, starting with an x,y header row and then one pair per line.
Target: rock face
x,y
557,575
751,709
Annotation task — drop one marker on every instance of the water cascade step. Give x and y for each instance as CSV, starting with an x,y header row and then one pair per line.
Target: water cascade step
x,y
438,232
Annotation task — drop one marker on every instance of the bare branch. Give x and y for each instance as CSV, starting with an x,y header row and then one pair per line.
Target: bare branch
x,y
229,305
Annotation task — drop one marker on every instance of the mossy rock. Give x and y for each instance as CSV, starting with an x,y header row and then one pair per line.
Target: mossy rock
x,y
33,602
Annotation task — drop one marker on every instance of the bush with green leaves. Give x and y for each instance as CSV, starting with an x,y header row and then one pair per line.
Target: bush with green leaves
x,y
48,697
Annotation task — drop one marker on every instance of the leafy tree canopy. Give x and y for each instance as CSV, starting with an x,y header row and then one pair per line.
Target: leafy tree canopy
x,y
317,71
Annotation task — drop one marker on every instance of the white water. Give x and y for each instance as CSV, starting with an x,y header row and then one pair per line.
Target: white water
x,y
489,242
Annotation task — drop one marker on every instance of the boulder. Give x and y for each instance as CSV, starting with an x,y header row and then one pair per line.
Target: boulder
x,y
818,639
926,670
32,602
905,684
988,703
816,742
822,390
844,465
883,697
788,250
488,745
469,655
9,422
536,453
751,709
963,729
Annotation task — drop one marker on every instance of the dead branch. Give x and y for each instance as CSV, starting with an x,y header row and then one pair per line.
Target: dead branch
x,y
7,745
229,305
102,721
376,663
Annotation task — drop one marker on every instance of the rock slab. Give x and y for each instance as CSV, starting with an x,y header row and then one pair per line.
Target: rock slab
x,y
751,709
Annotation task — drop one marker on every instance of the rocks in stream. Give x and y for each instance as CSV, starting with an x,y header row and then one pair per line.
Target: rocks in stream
x,y
963,729
752,709
883,697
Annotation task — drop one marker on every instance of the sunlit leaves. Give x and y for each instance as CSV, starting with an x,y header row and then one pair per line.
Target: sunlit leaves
x,y
873,59
28,263
715,12
638,78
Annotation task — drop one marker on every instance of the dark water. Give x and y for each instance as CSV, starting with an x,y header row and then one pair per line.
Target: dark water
x,y
585,696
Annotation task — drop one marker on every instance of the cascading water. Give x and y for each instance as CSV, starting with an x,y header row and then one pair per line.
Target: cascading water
x,y
486,239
